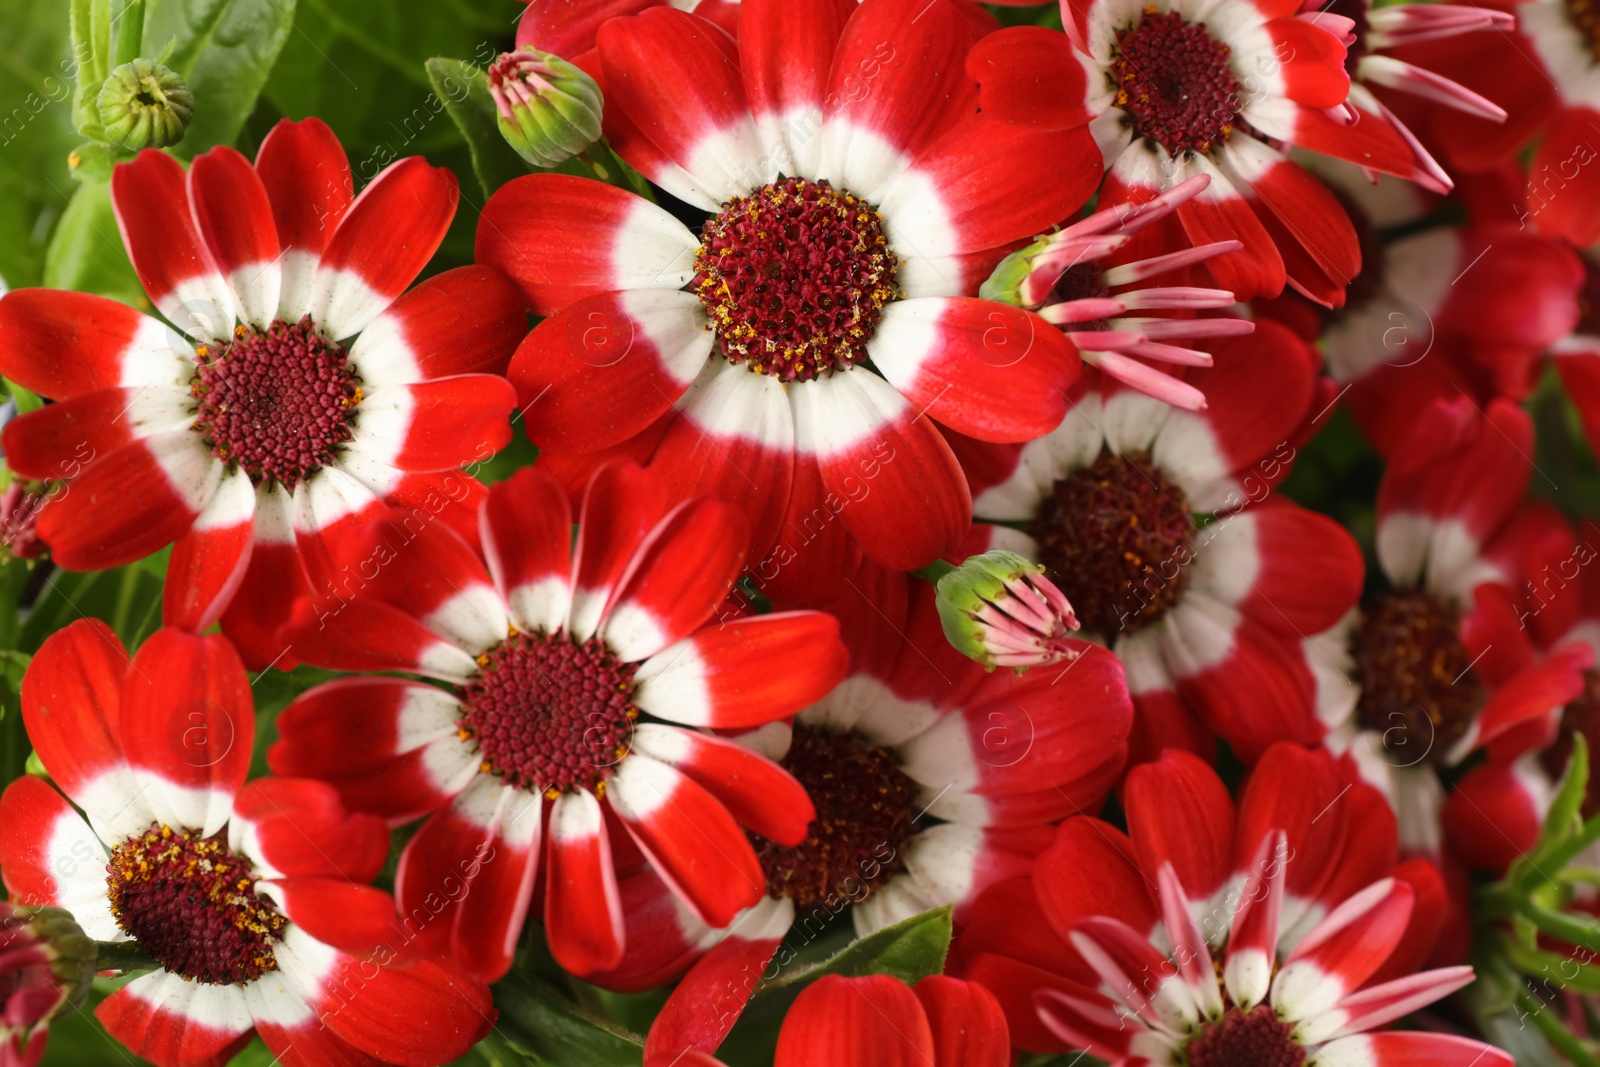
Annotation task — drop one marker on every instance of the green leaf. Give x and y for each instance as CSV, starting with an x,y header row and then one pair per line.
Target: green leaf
x,y
464,89
542,1022
225,49
910,950
86,253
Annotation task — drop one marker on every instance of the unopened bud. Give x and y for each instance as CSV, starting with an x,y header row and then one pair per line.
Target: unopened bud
x,y
46,965
1000,609
145,105
549,109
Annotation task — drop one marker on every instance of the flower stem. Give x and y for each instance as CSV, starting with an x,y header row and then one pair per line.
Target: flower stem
x,y
121,956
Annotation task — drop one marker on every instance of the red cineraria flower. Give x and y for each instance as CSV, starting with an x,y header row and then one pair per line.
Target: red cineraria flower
x,y
251,898
932,779
877,1021
1068,286
1545,73
311,389
1544,631
1453,311
785,357
1425,694
1217,624
550,655
1289,886
1186,88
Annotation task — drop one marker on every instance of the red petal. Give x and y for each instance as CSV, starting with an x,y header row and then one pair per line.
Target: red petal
x,y
690,838
990,371
188,721
1179,812
1030,75
875,1021
604,368
62,345
464,321
382,243
562,239
676,579
968,1025
582,907
307,178
725,677
889,463
151,199
234,218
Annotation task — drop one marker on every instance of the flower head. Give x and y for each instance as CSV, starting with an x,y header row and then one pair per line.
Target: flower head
x,y
1281,931
303,389
804,349
583,681
251,899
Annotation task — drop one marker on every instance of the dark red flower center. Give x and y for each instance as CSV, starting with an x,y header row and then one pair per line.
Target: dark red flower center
x,y
1580,716
1081,281
1173,80
550,714
191,904
1114,537
1585,16
795,277
1417,686
276,403
1254,1038
865,815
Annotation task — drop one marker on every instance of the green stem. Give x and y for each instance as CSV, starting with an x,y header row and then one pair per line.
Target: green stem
x,y
125,591
1562,970
121,956
1558,924
1577,1052
935,570
130,32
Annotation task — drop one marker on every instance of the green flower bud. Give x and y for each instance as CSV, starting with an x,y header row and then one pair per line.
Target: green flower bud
x,y
145,105
549,109
49,963
1000,609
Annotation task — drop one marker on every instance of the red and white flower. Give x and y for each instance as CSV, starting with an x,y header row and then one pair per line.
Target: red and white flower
x,y
1545,74
1457,311
251,899
1091,300
1182,88
551,653
1422,651
878,1021
932,777
308,388
1296,894
798,356
1217,624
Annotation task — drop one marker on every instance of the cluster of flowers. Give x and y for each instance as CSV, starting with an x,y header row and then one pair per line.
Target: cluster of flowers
x,y
904,535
